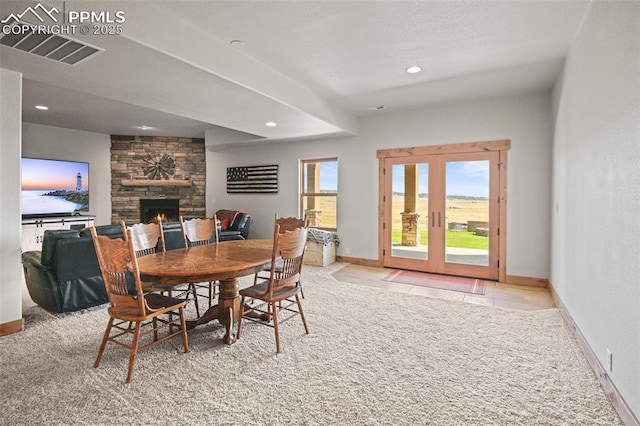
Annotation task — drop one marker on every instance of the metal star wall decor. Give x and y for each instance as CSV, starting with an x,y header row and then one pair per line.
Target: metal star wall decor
x,y
159,166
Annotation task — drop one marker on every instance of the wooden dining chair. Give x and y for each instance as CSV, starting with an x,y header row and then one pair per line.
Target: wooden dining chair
x,y
285,224
199,232
280,292
148,238
131,308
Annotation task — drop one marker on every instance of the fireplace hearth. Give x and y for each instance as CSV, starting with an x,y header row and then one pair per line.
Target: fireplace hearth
x,y
167,209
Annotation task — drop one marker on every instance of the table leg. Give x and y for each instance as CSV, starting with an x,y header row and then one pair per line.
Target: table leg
x,y
209,315
226,298
227,311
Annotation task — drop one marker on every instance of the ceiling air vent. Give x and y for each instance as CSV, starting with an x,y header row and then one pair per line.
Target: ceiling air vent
x,y
52,46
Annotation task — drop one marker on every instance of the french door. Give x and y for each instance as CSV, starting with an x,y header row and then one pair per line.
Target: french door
x,y
441,212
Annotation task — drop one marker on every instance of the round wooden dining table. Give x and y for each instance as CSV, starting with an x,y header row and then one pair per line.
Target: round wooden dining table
x,y
223,262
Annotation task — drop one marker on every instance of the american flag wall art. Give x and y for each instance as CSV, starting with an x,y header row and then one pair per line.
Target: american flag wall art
x,y
252,180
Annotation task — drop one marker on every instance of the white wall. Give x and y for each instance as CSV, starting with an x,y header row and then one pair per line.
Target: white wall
x,y
596,189
525,120
10,241
56,143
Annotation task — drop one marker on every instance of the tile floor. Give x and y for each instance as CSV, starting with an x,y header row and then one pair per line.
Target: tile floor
x,y
496,294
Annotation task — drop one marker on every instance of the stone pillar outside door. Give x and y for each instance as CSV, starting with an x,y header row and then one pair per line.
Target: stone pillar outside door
x,y
314,216
410,229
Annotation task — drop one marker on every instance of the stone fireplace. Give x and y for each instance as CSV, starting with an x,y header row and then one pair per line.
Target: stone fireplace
x,y
165,172
167,209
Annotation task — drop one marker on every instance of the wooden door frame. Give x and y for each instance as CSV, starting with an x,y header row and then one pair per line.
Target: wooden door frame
x,y
502,146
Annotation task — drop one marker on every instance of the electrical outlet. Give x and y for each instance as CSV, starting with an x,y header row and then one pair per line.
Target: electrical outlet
x,y
346,251
610,360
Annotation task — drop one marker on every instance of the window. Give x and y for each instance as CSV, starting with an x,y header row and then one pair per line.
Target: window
x,y
319,192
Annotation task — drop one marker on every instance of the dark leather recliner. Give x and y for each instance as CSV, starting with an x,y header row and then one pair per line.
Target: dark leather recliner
x,y
65,275
234,225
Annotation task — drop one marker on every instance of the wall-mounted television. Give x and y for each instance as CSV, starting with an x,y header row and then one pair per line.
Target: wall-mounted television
x,y
54,187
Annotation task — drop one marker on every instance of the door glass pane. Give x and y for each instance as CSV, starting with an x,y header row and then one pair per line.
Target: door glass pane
x,y
467,212
409,207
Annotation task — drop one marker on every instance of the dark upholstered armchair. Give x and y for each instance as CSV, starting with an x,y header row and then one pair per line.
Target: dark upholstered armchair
x,y
234,224
65,276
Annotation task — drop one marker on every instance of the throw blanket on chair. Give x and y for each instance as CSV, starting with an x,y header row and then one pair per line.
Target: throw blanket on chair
x,y
226,217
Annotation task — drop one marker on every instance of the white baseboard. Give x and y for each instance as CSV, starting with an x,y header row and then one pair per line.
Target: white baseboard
x,y
610,390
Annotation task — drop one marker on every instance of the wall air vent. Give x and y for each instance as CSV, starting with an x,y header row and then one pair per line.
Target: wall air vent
x,y
53,46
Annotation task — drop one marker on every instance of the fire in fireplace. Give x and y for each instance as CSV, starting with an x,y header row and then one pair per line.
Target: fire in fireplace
x,y
167,209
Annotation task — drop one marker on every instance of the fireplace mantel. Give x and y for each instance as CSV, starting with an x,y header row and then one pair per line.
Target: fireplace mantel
x,y
156,182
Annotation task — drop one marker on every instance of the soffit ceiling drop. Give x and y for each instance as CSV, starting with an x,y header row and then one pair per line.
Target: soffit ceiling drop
x,y
312,67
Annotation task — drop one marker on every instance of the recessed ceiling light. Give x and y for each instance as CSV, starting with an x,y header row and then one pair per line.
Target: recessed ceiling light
x,y
42,107
414,70
271,124
238,44
144,127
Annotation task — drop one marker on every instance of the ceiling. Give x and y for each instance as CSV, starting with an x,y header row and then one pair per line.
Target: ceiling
x,y
312,67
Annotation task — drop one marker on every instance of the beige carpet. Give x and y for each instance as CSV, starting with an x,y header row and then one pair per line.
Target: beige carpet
x,y
373,357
